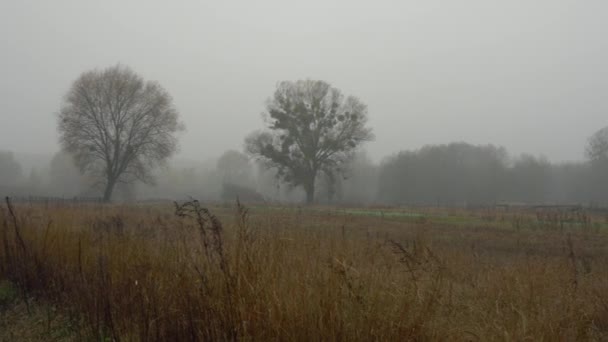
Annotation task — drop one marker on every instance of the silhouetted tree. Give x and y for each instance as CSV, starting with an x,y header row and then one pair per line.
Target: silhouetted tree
x,y
118,126
312,128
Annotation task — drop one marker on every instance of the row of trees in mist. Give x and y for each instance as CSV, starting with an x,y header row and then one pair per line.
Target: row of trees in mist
x,y
452,174
117,132
464,174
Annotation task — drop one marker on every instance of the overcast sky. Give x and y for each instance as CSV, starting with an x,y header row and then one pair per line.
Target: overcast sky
x,y
530,75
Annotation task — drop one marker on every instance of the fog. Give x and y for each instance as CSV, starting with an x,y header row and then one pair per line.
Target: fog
x,y
529,76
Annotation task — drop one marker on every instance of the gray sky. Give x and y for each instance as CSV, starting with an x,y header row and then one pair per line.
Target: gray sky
x,y
529,75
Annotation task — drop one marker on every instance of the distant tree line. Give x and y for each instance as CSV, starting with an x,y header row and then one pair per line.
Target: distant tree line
x,y
464,174
456,174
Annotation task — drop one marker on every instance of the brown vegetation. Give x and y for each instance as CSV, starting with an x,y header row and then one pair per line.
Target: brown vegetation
x,y
160,273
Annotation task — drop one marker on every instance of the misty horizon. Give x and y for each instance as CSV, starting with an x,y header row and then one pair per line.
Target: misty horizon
x,y
526,76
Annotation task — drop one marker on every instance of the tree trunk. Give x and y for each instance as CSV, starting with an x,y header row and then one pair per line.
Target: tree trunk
x,y
309,187
107,194
310,195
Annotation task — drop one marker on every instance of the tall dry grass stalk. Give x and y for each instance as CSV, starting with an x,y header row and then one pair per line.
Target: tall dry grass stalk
x,y
155,273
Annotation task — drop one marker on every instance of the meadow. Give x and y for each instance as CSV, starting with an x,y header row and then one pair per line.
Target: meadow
x,y
188,271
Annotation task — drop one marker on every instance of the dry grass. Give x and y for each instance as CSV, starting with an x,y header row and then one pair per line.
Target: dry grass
x,y
148,273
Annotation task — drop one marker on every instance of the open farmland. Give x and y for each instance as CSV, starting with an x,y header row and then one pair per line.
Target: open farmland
x,y
160,272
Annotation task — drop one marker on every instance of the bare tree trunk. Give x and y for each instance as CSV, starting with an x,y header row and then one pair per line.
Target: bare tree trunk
x,y
310,195
107,194
309,187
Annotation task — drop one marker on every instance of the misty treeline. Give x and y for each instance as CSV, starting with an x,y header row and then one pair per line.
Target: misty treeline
x,y
464,174
455,174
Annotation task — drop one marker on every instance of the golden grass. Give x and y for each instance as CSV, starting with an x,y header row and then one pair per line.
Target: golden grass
x,y
143,273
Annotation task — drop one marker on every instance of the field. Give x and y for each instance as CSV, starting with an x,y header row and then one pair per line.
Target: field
x,y
158,272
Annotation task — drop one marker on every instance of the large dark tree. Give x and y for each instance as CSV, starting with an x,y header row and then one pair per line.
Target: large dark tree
x,y
312,128
118,126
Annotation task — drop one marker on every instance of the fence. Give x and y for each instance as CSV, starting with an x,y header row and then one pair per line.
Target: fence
x,y
55,200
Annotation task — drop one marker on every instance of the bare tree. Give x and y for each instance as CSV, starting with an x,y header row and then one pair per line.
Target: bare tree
x,y
312,128
117,126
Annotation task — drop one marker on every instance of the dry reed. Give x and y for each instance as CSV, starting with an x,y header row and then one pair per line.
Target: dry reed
x,y
155,273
